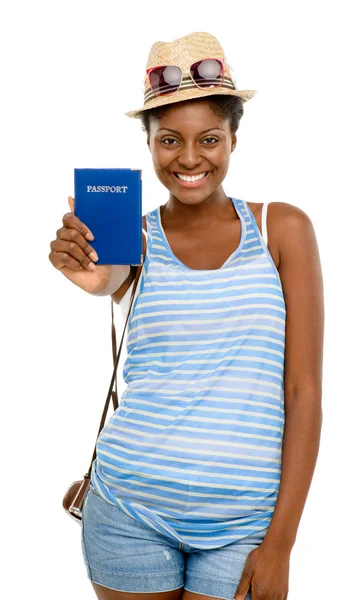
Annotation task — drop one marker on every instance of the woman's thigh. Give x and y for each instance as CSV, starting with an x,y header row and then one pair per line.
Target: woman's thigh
x,y
125,555
104,593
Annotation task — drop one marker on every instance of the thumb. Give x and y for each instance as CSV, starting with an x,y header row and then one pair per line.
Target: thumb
x,y
244,585
71,203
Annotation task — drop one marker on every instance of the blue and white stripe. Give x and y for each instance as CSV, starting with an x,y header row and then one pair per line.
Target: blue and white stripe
x,y
194,449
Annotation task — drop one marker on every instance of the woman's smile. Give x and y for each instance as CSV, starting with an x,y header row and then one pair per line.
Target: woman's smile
x,y
191,180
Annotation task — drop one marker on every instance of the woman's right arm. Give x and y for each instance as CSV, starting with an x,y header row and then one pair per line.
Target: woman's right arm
x,y
72,254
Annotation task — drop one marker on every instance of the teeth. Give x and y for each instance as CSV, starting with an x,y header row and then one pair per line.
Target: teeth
x,y
192,178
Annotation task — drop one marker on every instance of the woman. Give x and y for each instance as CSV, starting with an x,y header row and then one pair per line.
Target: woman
x,y
203,471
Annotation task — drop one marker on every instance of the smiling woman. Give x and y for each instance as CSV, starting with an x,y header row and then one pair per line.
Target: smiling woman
x,y
191,143
202,472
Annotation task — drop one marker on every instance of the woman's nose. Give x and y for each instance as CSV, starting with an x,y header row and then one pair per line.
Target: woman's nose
x,y
189,156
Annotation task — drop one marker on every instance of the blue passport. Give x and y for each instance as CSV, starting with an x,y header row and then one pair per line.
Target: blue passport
x,y
109,203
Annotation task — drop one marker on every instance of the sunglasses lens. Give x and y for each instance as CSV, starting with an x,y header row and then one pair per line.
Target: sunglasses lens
x,y
165,80
207,73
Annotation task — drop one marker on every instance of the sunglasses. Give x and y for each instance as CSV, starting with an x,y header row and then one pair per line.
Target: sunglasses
x,y
206,73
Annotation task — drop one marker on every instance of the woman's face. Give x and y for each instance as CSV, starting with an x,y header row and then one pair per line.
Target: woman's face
x,y
191,140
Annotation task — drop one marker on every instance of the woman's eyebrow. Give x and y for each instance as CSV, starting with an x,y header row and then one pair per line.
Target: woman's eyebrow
x,y
201,132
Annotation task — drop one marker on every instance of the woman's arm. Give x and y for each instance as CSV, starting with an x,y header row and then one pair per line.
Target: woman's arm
x,y
293,240
301,277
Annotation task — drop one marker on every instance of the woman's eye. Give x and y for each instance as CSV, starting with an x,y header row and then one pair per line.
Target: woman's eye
x,y
210,138
167,140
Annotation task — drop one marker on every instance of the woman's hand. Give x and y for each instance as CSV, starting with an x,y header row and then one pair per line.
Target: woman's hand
x,y
267,571
72,254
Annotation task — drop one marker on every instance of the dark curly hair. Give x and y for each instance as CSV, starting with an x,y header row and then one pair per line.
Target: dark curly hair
x,y
230,108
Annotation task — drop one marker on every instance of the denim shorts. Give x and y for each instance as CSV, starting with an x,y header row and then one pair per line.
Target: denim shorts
x,y
124,554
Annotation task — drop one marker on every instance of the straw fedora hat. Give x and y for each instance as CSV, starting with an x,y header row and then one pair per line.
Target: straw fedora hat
x,y
182,52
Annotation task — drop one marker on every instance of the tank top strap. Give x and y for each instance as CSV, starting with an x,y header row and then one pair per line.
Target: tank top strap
x,y
263,221
251,223
151,220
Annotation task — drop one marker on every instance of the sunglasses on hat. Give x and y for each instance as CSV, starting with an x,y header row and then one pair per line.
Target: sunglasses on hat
x,y
205,73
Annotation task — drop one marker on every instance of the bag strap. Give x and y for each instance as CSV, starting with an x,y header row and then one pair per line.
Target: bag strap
x,y
114,394
116,362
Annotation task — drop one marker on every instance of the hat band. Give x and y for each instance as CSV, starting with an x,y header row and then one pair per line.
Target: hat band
x,y
186,84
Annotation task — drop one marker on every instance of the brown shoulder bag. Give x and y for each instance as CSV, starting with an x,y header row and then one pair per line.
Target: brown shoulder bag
x,y
75,494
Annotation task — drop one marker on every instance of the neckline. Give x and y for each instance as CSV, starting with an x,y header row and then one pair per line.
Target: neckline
x,y
178,261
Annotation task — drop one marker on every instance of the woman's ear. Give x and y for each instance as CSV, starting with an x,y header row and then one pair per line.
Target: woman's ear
x,y
233,142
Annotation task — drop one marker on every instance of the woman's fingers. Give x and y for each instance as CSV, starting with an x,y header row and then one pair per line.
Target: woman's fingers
x,y
72,222
63,259
67,243
74,236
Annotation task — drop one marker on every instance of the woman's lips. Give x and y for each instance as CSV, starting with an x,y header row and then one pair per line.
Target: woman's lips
x,y
196,183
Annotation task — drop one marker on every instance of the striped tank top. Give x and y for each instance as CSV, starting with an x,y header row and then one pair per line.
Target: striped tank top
x,y
194,448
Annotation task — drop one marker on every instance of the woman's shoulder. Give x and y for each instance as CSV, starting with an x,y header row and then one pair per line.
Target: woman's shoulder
x,y
284,218
284,221
278,212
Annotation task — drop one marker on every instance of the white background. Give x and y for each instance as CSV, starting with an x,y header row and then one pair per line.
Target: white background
x,y
69,71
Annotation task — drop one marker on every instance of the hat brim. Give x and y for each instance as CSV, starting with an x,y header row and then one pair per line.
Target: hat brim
x,y
189,94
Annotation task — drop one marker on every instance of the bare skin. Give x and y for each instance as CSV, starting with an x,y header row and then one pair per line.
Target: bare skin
x,y
104,593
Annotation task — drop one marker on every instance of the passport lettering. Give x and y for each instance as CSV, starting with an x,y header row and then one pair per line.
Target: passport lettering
x,y
120,189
